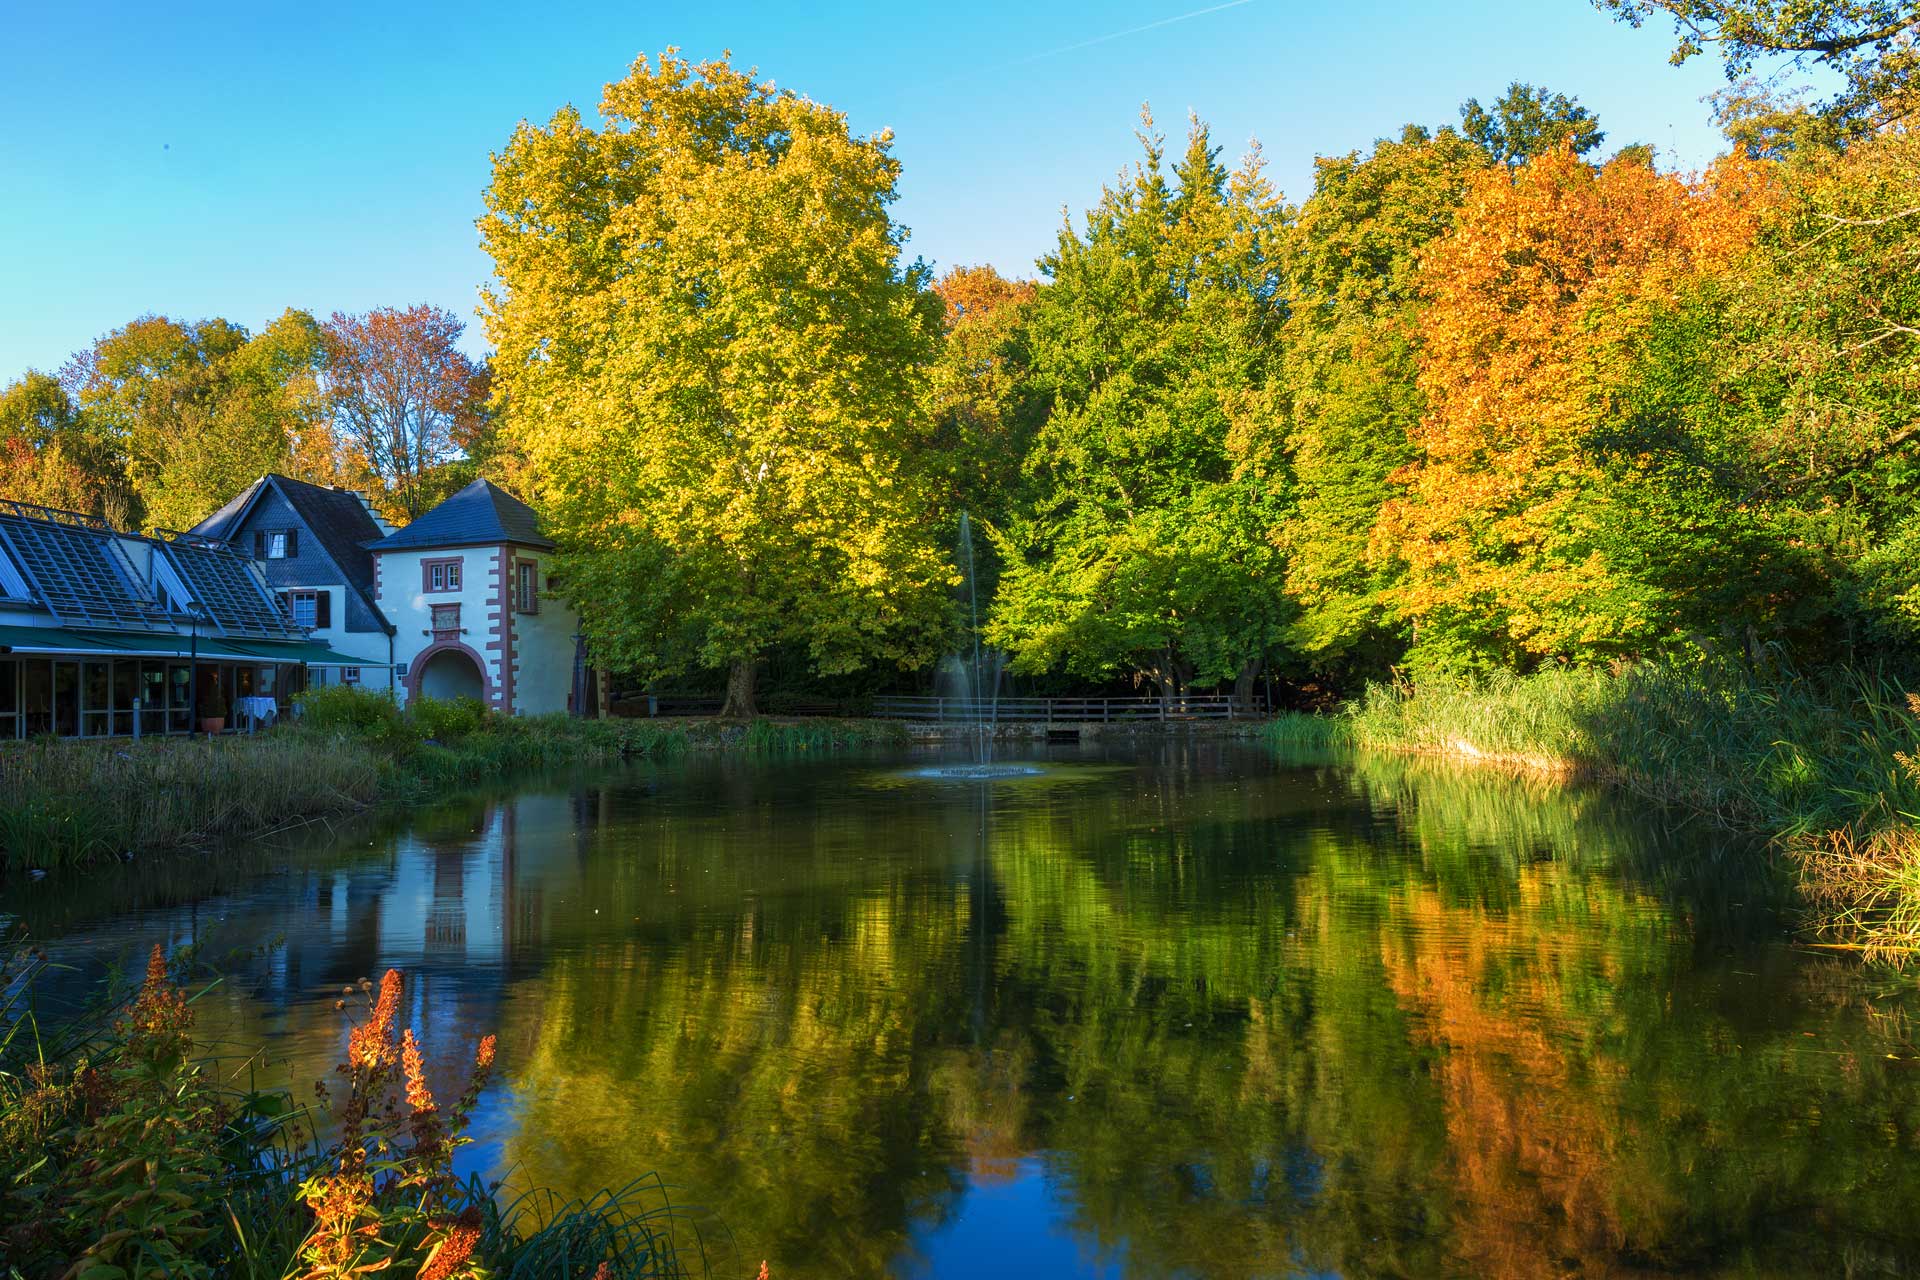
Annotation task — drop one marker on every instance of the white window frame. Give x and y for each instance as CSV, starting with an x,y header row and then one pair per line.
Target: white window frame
x,y
277,544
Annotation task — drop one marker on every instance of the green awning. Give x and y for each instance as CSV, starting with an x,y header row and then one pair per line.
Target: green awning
x,y
316,655
150,644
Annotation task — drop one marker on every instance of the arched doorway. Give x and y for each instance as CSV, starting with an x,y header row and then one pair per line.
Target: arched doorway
x,y
451,674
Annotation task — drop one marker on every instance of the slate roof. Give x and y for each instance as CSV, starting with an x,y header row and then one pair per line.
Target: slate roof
x,y
337,517
479,514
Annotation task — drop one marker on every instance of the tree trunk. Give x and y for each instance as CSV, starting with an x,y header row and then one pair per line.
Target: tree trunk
x,y
1244,681
740,677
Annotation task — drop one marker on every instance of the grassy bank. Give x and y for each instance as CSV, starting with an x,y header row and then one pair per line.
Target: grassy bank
x,y
67,802
1827,764
126,1151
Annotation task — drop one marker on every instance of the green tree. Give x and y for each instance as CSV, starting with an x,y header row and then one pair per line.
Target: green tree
x,y
201,408
712,356
1868,44
1351,395
1526,122
1143,550
53,455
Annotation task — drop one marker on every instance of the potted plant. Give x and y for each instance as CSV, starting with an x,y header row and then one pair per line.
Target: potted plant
x,y
213,705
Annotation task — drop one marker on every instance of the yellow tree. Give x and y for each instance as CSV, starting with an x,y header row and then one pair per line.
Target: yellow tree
x,y
710,354
1534,300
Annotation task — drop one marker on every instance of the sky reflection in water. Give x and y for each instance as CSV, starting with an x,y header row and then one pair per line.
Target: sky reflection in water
x,y
1186,1012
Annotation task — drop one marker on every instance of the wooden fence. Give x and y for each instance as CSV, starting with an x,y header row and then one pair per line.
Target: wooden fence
x,y
1063,710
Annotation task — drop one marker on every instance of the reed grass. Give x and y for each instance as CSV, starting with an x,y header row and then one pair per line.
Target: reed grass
x,y
1827,763
66,802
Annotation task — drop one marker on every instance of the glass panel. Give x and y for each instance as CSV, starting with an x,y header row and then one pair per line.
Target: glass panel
x,y
10,721
96,694
305,612
66,699
36,693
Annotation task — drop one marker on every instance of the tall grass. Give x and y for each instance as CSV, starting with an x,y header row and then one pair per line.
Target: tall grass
x,y
65,802
1828,764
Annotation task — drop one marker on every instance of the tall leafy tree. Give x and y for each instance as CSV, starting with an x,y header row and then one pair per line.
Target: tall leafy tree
x,y
712,356
1527,121
1538,301
1144,550
202,409
981,406
1871,46
1351,397
405,399
52,455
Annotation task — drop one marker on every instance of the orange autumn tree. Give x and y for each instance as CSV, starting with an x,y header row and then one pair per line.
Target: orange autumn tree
x,y
1537,299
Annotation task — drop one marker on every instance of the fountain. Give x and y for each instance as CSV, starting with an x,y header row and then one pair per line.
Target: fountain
x,y
968,673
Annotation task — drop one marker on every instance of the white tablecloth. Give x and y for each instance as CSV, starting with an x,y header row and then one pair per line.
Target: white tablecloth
x,y
256,710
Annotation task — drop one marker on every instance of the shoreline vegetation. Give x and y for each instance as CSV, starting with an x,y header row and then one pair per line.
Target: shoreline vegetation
x,y
127,1150
66,802
1826,766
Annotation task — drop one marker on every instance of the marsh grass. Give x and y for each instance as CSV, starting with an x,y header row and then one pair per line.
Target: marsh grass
x,y
1828,765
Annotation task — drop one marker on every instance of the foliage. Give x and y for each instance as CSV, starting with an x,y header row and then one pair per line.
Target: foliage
x,y
405,399
1142,550
54,456
710,353
1825,764
1527,122
126,1154
1351,398
1537,300
1868,44
204,409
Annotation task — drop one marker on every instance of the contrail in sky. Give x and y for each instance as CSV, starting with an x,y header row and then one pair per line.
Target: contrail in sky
x,y
1134,31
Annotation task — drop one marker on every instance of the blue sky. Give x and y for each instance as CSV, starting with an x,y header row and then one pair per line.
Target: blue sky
x,y
199,159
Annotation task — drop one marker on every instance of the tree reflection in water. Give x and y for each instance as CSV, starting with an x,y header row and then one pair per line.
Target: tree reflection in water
x,y
1232,1017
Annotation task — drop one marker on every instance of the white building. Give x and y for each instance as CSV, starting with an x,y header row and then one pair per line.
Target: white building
x,y
465,588
456,604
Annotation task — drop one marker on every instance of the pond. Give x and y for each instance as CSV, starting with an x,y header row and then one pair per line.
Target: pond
x,y
1183,1010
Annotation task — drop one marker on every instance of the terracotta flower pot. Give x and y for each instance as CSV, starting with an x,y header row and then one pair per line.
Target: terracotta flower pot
x,y
212,724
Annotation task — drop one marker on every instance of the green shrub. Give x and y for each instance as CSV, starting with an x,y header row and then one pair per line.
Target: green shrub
x,y
449,720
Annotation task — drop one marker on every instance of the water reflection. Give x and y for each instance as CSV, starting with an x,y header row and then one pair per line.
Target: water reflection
x,y
1181,1014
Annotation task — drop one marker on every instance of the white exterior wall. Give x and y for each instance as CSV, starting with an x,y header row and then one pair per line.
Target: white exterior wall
x,y
543,647
370,645
399,593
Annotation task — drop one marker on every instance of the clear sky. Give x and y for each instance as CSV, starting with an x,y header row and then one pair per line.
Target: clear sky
x,y
235,159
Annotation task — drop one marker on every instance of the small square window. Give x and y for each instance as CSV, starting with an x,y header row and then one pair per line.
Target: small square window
x,y
440,575
349,675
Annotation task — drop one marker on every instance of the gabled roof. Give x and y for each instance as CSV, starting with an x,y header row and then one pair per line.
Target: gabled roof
x,y
337,517
480,514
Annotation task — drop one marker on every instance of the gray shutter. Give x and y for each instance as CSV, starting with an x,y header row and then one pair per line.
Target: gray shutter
x,y
293,543
323,608
259,544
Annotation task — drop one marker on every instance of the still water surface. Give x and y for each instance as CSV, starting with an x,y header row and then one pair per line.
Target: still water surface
x,y
1189,1011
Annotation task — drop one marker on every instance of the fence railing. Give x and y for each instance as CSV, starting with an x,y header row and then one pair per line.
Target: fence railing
x,y
1064,710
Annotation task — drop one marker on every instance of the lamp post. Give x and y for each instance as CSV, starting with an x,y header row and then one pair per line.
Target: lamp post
x,y
193,664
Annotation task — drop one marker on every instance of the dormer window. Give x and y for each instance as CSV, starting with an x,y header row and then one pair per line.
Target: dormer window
x,y
276,544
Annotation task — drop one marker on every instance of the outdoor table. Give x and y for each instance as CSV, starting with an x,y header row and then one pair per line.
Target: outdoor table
x,y
257,710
